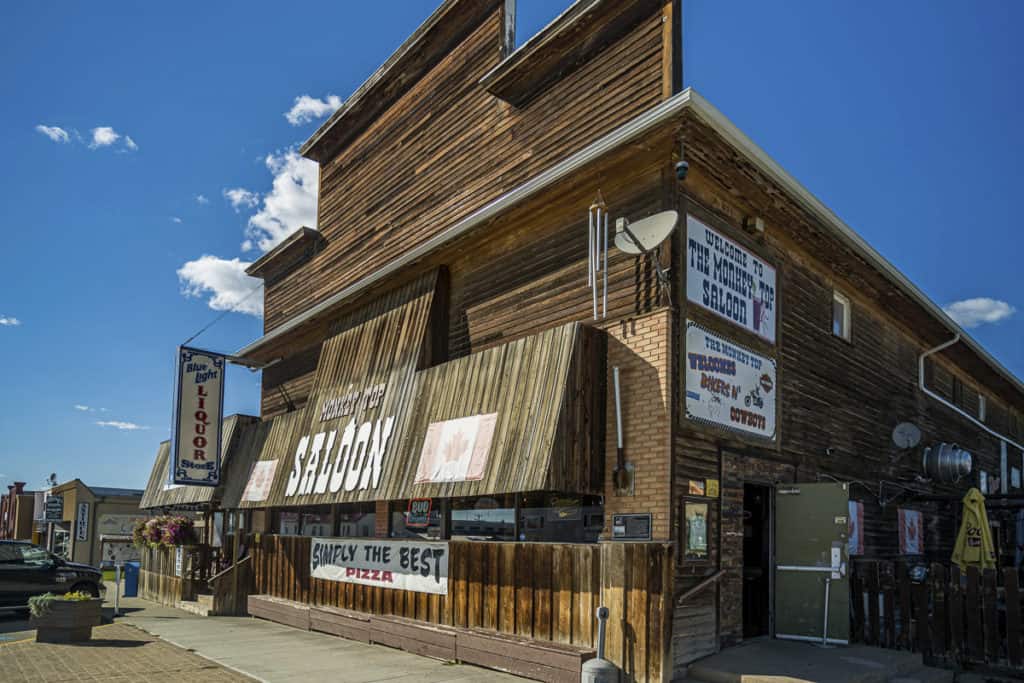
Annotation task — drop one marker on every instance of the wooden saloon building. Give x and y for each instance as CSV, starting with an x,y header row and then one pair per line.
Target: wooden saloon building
x,y
470,358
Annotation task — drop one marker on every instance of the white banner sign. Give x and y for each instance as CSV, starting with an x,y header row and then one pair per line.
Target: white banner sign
x,y
198,414
729,280
260,480
456,450
413,566
728,385
82,522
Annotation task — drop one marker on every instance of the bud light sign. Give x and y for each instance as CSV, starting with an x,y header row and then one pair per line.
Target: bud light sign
x,y
198,414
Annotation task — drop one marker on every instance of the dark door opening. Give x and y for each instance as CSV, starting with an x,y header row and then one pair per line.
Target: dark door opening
x,y
757,544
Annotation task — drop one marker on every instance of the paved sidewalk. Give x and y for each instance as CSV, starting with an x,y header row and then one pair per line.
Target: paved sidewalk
x,y
280,654
117,653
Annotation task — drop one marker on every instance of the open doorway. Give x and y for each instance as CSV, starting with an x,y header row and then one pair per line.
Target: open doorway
x,y
757,560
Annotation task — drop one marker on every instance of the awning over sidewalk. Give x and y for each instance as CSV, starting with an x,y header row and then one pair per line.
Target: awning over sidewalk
x,y
160,494
519,417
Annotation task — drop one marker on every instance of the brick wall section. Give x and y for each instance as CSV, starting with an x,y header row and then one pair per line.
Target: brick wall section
x,y
381,519
641,349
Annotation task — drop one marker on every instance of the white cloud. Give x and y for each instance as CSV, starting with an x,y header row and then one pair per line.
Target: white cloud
x,y
230,289
9,321
306,109
175,219
55,133
84,409
130,144
241,197
122,426
290,204
201,199
979,311
104,136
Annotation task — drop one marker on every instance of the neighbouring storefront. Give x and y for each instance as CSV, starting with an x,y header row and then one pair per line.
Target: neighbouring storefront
x,y
90,524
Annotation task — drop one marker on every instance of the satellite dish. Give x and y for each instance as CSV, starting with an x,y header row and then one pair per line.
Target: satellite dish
x,y
644,235
906,435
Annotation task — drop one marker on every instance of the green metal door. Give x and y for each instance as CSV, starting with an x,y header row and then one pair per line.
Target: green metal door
x,y
810,562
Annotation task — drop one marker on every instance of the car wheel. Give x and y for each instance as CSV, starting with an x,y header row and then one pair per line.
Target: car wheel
x,y
89,588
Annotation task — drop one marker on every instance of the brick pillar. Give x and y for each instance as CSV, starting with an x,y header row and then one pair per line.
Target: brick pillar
x,y
382,519
641,348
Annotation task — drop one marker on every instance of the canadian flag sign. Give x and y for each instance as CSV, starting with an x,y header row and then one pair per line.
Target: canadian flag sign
x,y
198,414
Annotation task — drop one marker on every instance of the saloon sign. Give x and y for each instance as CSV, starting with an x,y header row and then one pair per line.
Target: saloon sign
x,y
728,385
726,279
413,566
198,414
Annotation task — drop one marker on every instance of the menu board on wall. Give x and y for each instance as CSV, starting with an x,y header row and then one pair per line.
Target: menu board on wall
x,y
728,385
725,278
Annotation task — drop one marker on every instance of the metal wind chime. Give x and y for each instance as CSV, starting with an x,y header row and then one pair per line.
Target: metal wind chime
x,y
597,253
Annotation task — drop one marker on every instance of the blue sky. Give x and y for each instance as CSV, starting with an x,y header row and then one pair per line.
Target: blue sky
x,y
139,138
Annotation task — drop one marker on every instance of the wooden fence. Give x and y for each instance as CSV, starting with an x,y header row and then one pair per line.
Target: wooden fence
x,y
544,591
162,582
956,619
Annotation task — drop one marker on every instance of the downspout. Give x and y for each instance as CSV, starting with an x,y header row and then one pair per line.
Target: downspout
x,y
951,406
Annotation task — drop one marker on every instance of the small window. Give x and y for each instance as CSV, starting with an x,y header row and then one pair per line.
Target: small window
x,y
981,407
840,316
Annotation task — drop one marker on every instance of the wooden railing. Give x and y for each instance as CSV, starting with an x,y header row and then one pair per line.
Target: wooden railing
x,y
545,591
231,589
956,619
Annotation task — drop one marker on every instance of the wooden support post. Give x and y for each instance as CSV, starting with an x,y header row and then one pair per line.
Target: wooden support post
x,y
1013,624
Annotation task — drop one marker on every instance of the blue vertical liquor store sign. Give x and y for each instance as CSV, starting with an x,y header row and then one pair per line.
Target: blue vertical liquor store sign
x,y
198,415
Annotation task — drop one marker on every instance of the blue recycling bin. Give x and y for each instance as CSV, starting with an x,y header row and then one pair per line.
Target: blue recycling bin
x,y
131,579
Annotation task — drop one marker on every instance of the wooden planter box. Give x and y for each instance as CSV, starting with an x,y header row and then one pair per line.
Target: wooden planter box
x,y
68,621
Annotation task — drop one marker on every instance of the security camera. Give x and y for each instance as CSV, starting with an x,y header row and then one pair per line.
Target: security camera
x,y
682,168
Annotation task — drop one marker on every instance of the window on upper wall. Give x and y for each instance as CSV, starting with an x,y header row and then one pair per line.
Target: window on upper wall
x,y
981,407
840,316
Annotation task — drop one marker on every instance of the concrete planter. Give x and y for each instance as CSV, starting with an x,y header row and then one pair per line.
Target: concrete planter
x,y
68,621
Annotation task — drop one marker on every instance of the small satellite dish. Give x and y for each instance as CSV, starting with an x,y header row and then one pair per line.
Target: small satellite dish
x,y
644,235
906,435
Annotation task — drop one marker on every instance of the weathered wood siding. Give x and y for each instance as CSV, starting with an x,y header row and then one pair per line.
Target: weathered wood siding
x,y
838,401
536,590
447,147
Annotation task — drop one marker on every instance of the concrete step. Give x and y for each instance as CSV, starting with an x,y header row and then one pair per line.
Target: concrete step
x,y
194,607
205,599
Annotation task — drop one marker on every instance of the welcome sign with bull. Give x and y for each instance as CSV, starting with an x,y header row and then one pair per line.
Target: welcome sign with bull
x,y
729,385
413,566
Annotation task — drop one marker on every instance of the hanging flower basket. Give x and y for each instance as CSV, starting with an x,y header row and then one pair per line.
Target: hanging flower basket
x,y
67,618
165,531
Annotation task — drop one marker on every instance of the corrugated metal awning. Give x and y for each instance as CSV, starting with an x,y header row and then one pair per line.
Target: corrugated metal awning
x,y
518,417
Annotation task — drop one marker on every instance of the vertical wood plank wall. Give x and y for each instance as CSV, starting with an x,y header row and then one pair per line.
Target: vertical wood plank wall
x,y
545,591
157,580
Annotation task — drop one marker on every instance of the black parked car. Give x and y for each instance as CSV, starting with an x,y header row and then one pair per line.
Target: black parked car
x,y
27,570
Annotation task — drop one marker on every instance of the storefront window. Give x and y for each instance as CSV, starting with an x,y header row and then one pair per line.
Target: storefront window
x,y
357,521
560,517
488,518
696,530
402,528
287,523
61,542
542,517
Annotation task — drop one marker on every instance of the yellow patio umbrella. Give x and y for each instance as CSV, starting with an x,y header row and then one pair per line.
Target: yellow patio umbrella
x,y
974,542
